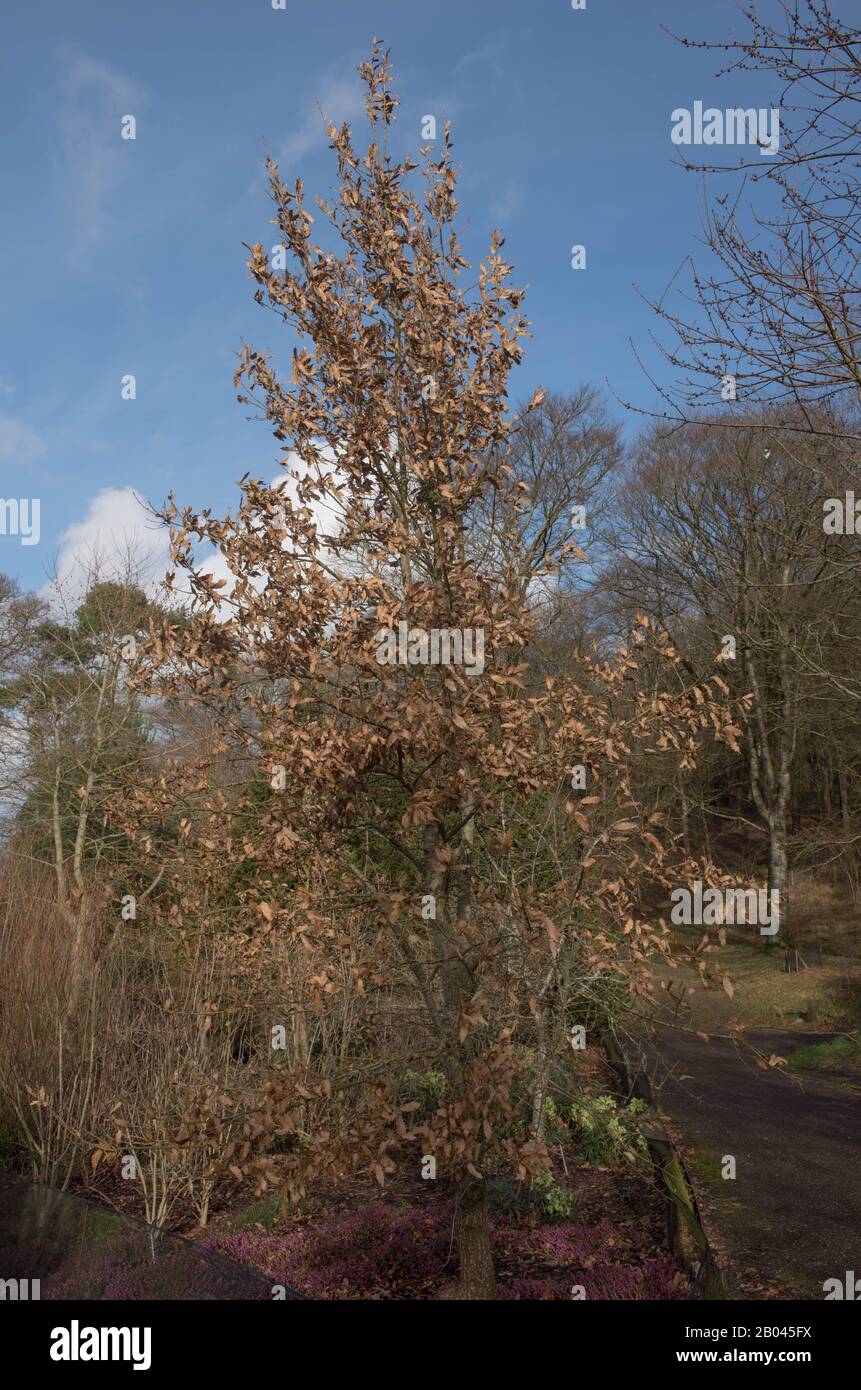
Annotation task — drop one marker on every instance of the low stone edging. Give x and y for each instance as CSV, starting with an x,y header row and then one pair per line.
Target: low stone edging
x,y
685,1232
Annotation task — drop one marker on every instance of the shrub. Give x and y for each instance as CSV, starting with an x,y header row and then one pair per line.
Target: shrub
x,y
556,1203
607,1134
541,1200
427,1087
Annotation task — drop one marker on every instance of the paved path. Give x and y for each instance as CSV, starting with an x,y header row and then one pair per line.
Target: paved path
x,y
792,1217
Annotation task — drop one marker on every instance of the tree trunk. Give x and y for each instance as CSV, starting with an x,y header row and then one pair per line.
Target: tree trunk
x,y
477,1275
546,1038
686,828
707,844
770,765
850,860
778,877
539,1106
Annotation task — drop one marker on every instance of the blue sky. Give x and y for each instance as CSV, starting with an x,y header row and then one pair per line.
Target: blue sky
x,y
126,256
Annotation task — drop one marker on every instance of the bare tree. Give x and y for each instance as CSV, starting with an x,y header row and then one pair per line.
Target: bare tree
x,y
779,314
719,530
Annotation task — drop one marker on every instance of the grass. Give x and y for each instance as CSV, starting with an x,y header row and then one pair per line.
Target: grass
x,y
704,1162
263,1213
767,996
825,1054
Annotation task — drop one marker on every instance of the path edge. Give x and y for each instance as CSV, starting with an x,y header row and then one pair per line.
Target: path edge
x,y
686,1233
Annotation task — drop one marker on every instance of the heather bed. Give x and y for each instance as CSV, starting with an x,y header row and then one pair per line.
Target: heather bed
x,y
388,1252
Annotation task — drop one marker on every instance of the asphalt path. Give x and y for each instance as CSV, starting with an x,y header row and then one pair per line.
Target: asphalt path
x,y
791,1218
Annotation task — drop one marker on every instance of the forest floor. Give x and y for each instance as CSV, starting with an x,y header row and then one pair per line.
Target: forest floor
x,y
605,1239
597,1231
783,1101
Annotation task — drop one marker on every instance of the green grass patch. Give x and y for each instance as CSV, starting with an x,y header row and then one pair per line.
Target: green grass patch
x,y
705,1163
767,996
265,1212
825,1054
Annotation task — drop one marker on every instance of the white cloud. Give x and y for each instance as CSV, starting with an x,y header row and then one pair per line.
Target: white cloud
x,y
118,538
490,54
94,99
506,204
18,443
327,516
339,100
327,512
